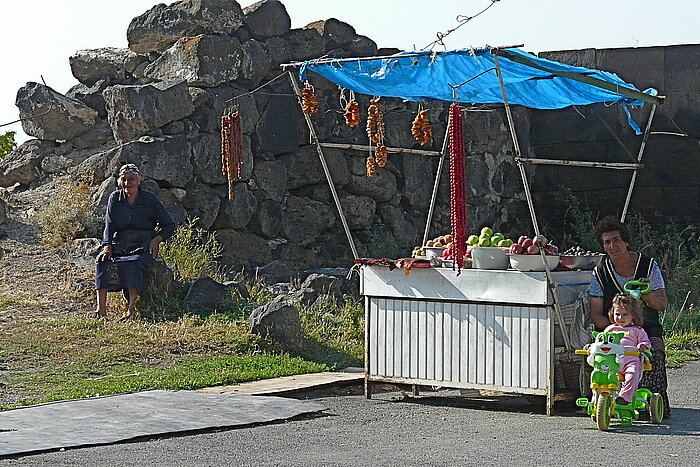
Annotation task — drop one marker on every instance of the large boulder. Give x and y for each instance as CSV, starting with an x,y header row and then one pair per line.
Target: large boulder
x,y
267,18
304,219
22,165
243,249
91,65
270,179
203,204
305,44
161,26
267,219
200,60
91,95
274,272
256,63
49,115
359,210
205,292
236,213
278,130
3,211
206,158
335,33
279,322
165,159
134,111
304,167
381,188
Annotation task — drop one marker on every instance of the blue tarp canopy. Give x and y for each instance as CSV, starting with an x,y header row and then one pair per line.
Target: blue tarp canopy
x,y
469,76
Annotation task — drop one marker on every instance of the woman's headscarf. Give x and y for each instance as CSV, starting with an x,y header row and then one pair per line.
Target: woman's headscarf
x,y
129,168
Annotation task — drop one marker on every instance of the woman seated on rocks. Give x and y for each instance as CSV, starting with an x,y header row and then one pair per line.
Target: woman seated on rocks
x,y
135,225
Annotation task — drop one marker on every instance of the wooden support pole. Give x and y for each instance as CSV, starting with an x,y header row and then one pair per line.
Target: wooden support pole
x,y
639,159
528,195
324,164
362,147
601,165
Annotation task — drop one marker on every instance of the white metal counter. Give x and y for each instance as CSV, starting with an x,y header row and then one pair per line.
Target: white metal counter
x,y
480,330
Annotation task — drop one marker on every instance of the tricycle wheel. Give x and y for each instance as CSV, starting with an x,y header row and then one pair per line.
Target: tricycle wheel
x,y
602,411
656,408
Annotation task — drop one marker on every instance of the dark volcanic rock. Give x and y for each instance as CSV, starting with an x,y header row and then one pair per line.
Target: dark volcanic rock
x,y
91,95
279,322
304,219
335,33
91,65
134,111
163,25
305,44
270,179
200,60
57,117
205,292
236,213
22,165
267,18
202,203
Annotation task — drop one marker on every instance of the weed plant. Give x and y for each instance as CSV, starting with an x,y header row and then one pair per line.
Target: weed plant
x,y
194,252
66,215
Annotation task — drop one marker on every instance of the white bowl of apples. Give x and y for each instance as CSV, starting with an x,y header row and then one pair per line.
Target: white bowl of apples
x,y
525,255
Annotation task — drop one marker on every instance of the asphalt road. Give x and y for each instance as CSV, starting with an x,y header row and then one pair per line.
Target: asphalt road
x,y
433,429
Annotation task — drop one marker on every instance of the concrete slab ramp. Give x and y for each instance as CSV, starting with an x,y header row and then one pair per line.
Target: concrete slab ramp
x,y
111,419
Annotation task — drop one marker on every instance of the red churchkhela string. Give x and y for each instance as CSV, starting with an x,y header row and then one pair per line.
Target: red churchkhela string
x,y
458,186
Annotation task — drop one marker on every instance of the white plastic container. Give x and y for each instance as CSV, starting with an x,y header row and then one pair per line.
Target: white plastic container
x,y
526,263
489,257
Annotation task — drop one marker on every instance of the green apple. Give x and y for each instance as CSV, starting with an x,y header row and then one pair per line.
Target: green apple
x,y
505,243
497,237
472,240
484,241
486,231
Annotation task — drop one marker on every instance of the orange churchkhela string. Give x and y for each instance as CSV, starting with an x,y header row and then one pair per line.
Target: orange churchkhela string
x,y
231,148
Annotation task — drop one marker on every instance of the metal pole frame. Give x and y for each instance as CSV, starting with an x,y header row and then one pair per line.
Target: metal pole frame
x,y
639,160
436,185
528,195
319,149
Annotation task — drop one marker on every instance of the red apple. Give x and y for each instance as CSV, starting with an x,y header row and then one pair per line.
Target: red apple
x,y
526,243
518,249
522,239
533,250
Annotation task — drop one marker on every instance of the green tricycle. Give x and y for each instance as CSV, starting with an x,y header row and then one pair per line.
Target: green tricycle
x,y
605,356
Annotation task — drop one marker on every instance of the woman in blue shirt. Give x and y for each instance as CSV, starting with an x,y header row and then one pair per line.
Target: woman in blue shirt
x,y
135,225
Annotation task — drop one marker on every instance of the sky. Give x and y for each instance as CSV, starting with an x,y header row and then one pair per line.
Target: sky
x,y
38,36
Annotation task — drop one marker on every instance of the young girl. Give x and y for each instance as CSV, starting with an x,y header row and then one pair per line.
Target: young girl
x,y
626,316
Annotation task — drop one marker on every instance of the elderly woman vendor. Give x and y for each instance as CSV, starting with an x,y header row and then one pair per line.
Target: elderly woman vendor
x,y
135,224
617,268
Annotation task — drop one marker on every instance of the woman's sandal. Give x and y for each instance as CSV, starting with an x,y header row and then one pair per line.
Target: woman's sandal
x,y
97,315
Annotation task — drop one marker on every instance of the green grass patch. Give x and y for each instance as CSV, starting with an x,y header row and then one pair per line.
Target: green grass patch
x,y
77,357
78,380
681,348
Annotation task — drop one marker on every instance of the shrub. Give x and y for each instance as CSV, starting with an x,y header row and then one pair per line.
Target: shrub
x,y
7,143
66,215
194,252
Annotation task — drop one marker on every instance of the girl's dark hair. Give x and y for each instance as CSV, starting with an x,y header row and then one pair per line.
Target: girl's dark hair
x,y
611,224
631,304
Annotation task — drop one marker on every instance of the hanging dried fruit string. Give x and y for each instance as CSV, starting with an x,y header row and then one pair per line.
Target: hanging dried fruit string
x,y
351,108
309,101
421,126
458,186
231,148
375,132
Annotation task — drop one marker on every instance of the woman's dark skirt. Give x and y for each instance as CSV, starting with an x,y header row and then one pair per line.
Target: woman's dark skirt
x,y
123,272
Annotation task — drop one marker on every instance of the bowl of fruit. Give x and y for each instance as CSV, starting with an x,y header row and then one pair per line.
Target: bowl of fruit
x,y
578,258
488,250
525,255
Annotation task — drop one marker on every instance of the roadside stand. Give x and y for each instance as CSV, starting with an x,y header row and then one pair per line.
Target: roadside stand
x,y
464,311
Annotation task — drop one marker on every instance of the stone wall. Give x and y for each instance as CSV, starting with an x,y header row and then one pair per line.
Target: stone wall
x,y
158,104
669,184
